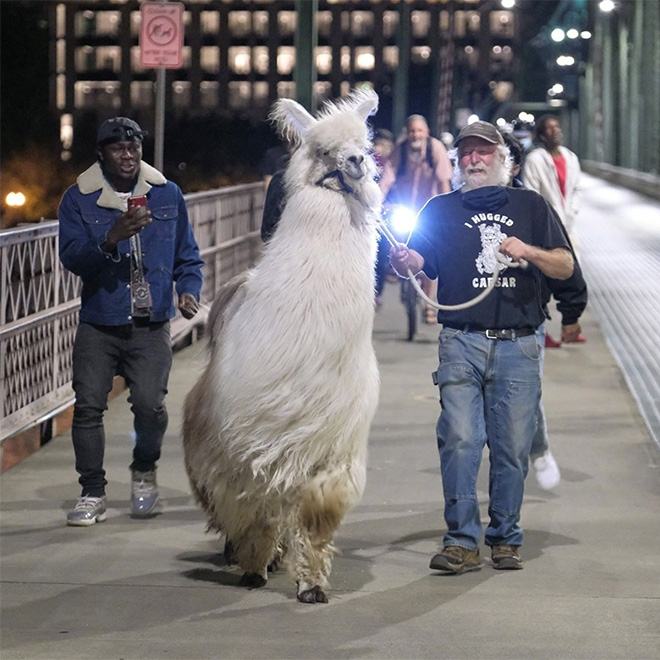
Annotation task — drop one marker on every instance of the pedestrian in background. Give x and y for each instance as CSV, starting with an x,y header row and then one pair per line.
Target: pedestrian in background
x,y
571,296
128,257
417,169
489,373
554,171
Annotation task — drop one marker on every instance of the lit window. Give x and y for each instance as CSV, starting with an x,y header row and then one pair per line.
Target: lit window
x,y
421,23
362,23
502,24
210,22
260,93
324,60
107,23
260,23
239,59
186,57
345,59
209,94
322,90
61,91
324,23
420,54
142,93
239,23
286,22
391,56
97,94
135,60
61,55
209,58
286,60
260,59
390,22
239,95
286,89
364,58
181,94
60,17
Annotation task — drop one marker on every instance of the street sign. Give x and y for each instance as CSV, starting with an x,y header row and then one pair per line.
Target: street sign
x,y
161,35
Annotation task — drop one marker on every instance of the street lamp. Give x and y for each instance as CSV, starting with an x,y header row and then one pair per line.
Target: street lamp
x,y
15,199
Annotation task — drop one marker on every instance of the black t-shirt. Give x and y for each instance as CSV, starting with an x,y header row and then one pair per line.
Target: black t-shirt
x,y
456,235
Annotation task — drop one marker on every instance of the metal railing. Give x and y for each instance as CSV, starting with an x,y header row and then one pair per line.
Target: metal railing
x,y
40,299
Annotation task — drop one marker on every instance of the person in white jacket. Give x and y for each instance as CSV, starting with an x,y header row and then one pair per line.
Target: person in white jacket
x,y
554,171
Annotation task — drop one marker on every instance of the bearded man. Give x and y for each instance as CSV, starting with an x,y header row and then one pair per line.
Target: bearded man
x,y
489,373
417,169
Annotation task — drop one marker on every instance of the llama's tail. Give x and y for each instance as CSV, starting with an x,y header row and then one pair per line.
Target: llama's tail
x,y
226,302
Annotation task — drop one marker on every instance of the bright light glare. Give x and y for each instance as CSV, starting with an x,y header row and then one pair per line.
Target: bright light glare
x,y
565,60
572,34
508,4
403,221
585,34
501,121
15,199
606,5
557,88
473,118
557,34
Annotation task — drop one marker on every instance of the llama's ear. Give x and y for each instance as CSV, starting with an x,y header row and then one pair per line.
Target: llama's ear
x,y
366,102
292,120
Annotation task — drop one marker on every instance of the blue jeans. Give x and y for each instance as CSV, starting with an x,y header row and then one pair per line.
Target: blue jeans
x,y
490,391
143,356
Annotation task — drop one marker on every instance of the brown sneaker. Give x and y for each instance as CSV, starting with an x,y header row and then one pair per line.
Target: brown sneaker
x,y
456,559
506,557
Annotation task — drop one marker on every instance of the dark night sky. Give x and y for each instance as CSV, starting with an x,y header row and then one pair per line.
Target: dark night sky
x,y
24,114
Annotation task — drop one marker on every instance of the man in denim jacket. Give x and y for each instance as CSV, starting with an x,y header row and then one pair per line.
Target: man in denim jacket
x,y
128,258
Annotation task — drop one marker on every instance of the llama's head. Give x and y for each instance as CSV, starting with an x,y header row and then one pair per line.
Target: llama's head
x,y
333,150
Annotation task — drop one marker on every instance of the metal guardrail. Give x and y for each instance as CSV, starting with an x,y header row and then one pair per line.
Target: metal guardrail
x,y
40,299
641,182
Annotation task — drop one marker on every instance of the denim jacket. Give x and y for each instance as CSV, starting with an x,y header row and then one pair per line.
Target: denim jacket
x,y
90,208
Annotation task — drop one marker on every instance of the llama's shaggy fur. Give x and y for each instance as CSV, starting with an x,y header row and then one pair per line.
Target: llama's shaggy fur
x,y
275,431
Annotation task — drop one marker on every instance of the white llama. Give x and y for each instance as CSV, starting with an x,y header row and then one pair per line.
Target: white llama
x,y
275,431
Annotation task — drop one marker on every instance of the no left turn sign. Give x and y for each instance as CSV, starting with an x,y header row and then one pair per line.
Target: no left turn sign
x,y
161,35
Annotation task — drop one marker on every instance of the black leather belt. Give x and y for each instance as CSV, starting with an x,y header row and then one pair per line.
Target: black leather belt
x,y
505,333
501,333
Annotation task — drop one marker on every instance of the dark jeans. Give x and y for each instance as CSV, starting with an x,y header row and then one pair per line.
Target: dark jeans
x,y
142,354
382,262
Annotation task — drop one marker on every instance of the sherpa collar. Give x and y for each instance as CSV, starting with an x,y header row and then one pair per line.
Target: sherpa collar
x,y
92,179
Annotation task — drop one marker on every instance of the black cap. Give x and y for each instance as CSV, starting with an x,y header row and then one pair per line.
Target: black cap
x,y
118,129
483,130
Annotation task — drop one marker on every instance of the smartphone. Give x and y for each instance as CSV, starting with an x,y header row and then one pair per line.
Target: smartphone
x,y
134,202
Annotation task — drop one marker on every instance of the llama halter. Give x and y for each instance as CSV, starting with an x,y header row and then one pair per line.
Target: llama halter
x,y
336,174
500,262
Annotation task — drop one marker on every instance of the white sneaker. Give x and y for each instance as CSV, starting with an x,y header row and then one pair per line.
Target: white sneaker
x,y
546,471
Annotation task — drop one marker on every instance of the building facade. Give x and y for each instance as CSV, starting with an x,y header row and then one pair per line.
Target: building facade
x,y
239,56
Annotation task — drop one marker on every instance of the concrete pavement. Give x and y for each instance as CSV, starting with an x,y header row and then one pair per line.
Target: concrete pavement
x,y
158,588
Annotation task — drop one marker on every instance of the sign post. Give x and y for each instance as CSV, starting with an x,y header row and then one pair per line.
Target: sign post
x,y
161,47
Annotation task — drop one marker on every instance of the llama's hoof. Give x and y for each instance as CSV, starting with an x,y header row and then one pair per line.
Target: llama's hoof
x,y
313,595
275,564
230,554
252,580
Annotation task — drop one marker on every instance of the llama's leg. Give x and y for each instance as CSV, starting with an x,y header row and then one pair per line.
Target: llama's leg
x,y
254,549
325,500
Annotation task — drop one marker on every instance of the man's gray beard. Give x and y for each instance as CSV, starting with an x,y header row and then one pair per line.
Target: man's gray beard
x,y
498,175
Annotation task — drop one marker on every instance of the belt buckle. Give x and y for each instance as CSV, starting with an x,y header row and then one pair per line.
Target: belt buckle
x,y
491,334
